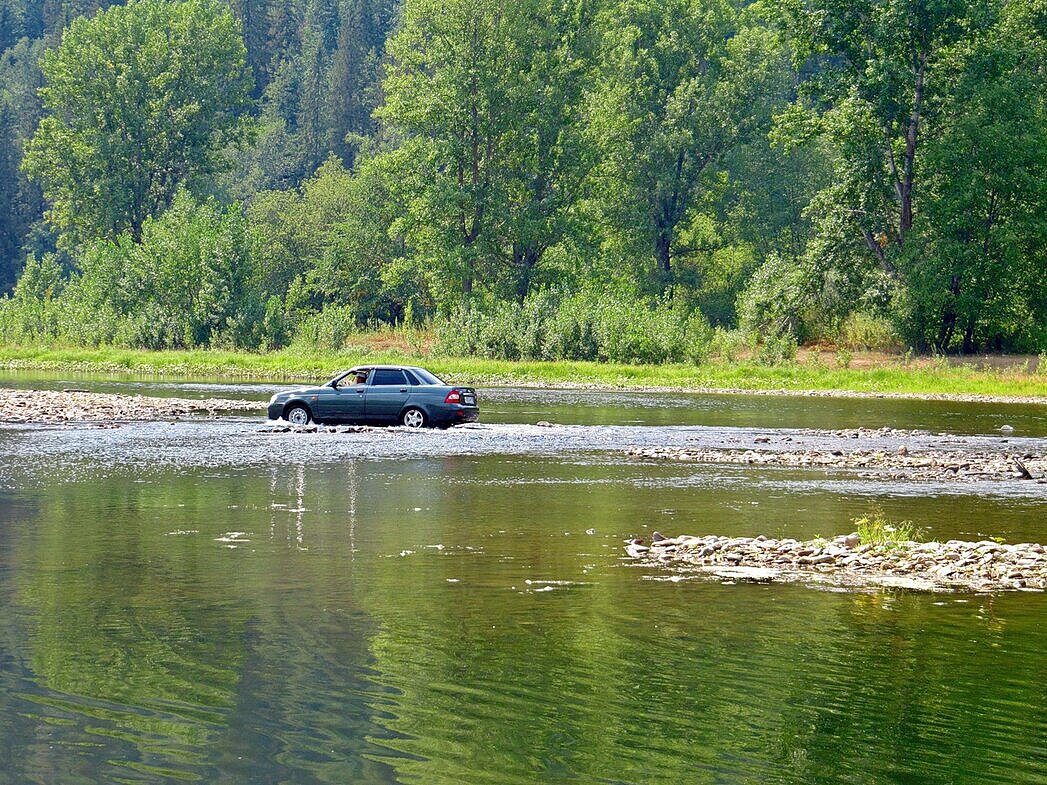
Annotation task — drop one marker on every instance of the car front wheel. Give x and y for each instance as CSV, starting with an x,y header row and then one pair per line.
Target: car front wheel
x,y
297,415
413,418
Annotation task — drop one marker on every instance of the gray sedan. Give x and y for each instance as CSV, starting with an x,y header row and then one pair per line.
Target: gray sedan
x,y
379,394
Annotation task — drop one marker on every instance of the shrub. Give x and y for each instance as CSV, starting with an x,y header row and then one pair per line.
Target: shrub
x,y
726,344
583,326
328,329
875,529
776,349
863,331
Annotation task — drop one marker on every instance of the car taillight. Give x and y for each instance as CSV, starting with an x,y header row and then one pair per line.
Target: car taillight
x,y
453,397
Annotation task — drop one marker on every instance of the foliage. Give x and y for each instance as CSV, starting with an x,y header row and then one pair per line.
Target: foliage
x,y
549,177
682,85
864,331
875,529
582,326
141,99
187,283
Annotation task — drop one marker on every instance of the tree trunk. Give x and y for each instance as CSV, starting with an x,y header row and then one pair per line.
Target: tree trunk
x,y
948,325
968,336
663,254
525,259
905,221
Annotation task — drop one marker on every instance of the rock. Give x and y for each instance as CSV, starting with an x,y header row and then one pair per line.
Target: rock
x,y
545,424
1007,428
984,565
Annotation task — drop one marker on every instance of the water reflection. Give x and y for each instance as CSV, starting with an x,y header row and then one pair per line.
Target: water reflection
x,y
374,624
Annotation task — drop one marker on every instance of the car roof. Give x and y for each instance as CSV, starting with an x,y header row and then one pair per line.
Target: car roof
x,y
385,368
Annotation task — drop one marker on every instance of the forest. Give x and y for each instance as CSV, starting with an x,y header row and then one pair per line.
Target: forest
x,y
627,180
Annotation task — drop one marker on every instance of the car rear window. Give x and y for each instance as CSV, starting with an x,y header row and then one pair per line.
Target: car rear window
x,y
426,377
388,376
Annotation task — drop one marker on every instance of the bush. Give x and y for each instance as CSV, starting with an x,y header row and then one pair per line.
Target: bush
x,y
875,529
776,349
772,302
863,331
583,326
328,329
726,344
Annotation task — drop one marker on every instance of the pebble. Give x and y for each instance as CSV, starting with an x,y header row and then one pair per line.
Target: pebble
x,y
52,407
930,464
956,564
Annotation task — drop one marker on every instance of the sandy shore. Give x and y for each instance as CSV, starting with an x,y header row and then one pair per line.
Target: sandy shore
x,y
71,406
845,561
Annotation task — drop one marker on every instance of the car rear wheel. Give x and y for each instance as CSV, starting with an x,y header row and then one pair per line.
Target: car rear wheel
x,y
413,418
298,415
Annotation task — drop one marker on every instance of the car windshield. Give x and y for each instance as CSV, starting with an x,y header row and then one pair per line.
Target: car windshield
x,y
425,377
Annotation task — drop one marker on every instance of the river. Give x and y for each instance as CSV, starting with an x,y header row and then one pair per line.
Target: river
x,y
200,601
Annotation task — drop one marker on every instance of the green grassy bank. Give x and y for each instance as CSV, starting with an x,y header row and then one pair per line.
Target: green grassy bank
x,y
879,375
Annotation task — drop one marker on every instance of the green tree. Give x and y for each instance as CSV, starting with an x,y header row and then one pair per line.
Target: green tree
x,y
446,96
20,201
141,98
875,86
188,280
683,84
977,272
484,99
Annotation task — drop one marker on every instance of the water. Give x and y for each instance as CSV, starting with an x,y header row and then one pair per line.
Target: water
x,y
202,602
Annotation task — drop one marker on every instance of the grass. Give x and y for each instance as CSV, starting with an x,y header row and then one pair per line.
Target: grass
x,y
891,375
875,529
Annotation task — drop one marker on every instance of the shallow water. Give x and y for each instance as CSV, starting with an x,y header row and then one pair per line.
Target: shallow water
x,y
629,407
204,602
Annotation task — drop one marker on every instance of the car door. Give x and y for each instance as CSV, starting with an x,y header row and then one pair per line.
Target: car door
x,y
342,403
387,393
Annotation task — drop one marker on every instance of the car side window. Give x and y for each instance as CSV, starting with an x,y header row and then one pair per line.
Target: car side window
x,y
351,380
412,379
388,377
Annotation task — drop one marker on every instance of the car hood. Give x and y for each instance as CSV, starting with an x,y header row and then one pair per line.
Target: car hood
x,y
298,391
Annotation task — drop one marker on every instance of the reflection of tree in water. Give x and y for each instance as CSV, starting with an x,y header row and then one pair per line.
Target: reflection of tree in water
x,y
917,685
128,650
258,663
640,682
497,686
177,656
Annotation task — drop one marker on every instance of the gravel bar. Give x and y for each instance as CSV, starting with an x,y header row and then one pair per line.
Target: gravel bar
x,y
900,464
845,561
75,406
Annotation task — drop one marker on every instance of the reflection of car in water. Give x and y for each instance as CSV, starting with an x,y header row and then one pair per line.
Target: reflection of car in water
x,y
377,394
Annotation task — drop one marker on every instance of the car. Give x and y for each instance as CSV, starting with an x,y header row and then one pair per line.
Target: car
x,y
379,394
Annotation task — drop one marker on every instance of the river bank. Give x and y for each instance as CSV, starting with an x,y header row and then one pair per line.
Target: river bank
x,y
845,561
874,377
52,407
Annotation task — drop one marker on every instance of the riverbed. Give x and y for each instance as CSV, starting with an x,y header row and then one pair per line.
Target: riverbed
x,y
200,600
